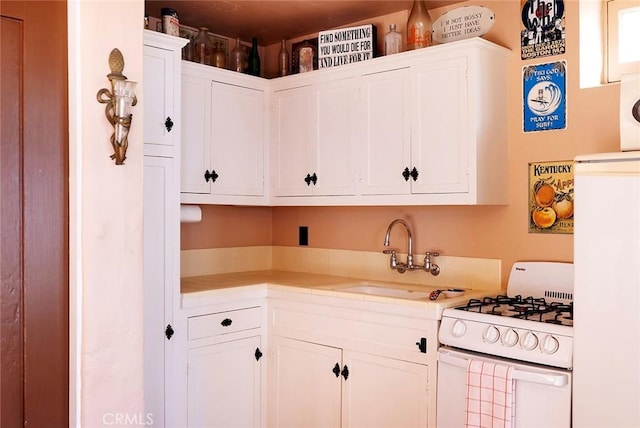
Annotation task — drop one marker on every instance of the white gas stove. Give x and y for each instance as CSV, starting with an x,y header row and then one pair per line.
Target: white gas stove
x,y
532,323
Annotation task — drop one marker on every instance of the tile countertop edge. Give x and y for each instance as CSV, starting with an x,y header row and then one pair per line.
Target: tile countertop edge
x,y
212,289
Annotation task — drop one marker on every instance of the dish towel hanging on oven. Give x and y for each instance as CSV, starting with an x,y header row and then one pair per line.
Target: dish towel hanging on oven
x,y
489,395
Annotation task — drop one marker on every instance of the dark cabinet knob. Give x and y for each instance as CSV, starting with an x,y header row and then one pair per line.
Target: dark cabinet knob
x,y
422,345
307,179
414,173
258,354
314,178
210,176
168,332
345,372
406,174
336,370
168,124
226,322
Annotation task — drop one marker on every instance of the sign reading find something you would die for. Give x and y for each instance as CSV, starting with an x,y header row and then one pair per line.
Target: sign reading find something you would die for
x,y
346,45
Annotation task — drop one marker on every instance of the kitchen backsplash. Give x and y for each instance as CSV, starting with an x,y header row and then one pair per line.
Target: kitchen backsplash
x,y
459,272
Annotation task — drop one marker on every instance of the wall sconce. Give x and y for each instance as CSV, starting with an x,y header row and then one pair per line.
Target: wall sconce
x,y
118,105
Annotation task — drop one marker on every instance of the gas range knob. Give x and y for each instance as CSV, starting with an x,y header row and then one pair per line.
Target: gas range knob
x,y
549,344
510,337
529,341
459,328
491,334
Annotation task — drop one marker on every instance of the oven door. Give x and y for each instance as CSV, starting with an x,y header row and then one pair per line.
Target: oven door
x,y
542,394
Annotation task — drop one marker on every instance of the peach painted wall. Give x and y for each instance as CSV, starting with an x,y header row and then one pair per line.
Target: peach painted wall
x,y
483,231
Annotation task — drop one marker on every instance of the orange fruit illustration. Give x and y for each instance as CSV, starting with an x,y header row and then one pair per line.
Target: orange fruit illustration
x,y
545,195
544,217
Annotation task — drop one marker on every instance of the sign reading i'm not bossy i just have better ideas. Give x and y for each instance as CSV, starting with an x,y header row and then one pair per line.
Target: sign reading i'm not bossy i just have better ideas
x,y
346,45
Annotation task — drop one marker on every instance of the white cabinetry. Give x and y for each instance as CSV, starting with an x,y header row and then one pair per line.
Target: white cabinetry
x,y
224,367
223,150
314,132
333,366
431,129
322,386
161,76
161,207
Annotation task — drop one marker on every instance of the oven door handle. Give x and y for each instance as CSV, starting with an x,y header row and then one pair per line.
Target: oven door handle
x,y
527,376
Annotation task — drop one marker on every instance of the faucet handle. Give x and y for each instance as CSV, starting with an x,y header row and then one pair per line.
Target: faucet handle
x,y
429,266
393,262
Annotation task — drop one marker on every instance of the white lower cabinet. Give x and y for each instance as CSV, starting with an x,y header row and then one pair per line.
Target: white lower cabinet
x,y
224,366
323,386
223,384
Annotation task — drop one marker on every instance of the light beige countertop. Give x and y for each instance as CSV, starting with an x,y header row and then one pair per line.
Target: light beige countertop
x,y
208,287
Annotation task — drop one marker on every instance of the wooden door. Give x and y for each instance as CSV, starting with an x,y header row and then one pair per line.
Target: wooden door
x,y
34,333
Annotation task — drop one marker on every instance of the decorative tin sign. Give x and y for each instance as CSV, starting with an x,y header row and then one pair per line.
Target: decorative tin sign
x,y
346,45
543,28
544,96
551,197
463,23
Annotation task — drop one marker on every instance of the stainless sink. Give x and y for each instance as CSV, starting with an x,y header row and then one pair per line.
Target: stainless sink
x,y
378,290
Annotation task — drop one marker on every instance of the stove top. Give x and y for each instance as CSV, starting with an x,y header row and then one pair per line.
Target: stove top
x,y
526,308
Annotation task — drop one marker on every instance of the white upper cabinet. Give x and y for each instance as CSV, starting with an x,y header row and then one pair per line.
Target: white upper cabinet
x,y
314,131
223,149
426,127
161,77
430,130
385,140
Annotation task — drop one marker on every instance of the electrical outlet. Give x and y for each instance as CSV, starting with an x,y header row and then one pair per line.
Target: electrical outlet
x,y
303,236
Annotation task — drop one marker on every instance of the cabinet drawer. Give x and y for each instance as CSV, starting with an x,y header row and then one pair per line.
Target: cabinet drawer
x,y
223,323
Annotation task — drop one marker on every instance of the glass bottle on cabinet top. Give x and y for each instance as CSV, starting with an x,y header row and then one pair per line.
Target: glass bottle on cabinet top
x,y
392,41
202,47
283,60
419,26
238,59
254,58
219,57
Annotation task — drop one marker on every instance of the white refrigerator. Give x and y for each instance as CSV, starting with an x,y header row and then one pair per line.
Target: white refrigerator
x,y
606,362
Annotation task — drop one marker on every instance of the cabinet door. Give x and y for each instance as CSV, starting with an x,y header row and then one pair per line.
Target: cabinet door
x,y
294,131
224,385
196,131
159,100
237,140
386,132
307,392
161,278
336,135
384,392
440,140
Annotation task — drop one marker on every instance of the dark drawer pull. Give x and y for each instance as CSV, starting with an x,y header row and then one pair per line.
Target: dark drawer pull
x,y
226,322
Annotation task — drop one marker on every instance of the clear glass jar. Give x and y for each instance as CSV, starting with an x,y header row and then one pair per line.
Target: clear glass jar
x,y
283,60
202,47
392,41
238,58
419,26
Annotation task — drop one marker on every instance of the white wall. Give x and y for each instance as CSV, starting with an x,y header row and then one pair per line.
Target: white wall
x,y
106,283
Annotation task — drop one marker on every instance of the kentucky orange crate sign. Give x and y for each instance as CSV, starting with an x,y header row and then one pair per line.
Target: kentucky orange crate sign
x,y
346,45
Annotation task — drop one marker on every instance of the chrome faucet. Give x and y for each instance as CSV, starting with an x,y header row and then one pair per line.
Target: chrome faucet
x,y
400,267
429,265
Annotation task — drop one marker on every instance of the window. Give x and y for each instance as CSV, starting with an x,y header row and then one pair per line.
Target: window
x,y
623,38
